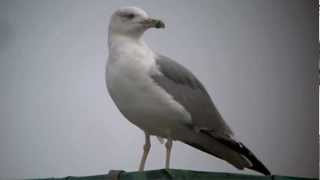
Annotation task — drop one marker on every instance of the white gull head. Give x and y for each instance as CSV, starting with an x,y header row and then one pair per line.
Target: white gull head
x,y
132,22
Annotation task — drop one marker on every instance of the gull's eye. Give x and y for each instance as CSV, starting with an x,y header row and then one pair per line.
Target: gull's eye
x,y
129,16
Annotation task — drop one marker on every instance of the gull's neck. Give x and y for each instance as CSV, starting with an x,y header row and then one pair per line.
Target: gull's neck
x,y
118,39
127,46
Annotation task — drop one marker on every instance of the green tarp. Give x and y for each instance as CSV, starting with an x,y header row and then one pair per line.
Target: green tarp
x,y
173,174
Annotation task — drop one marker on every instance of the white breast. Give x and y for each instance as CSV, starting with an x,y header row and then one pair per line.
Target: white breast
x,y
137,96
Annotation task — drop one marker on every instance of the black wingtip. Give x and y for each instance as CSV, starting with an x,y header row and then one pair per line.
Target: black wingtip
x,y
257,165
262,170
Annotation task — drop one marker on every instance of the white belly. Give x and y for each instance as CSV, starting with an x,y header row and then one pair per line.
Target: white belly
x,y
142,101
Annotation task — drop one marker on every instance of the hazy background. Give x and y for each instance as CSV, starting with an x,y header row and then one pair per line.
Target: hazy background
x,y
257,59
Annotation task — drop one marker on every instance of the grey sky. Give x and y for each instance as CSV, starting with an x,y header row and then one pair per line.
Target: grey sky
x,y
257,59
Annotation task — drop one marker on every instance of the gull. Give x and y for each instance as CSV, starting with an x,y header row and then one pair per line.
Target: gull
x,y
163,98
